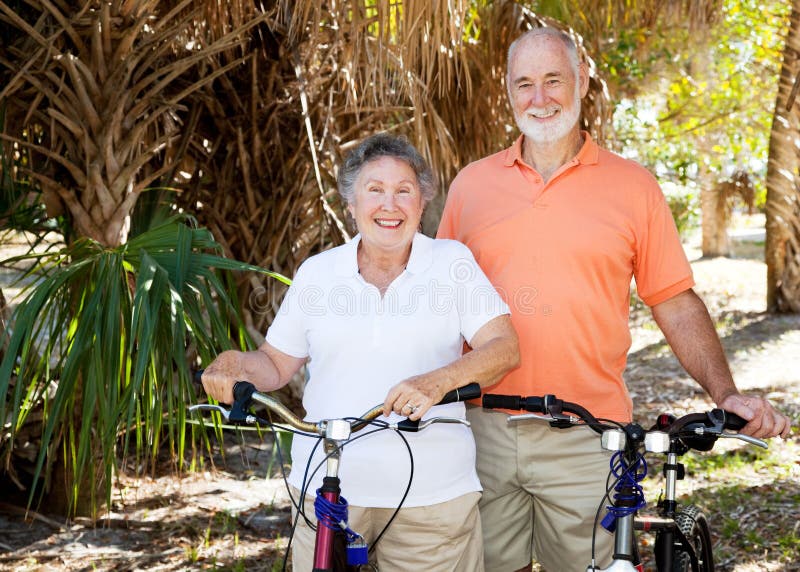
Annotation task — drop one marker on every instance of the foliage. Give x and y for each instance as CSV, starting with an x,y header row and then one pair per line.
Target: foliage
x,y
684,205
701,113
100,342
21,207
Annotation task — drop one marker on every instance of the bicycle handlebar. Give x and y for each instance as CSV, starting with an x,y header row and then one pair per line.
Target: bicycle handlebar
x,y
244,393
695,430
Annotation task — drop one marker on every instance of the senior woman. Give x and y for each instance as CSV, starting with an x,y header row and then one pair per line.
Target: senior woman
x,y
384,318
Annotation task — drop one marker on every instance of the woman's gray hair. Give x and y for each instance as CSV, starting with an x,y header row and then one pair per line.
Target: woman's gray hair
x,y
385,145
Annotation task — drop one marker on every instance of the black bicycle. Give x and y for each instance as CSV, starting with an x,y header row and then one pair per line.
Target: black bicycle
x,y
683,537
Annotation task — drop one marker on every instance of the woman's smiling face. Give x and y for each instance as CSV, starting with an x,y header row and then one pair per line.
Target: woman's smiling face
x,y
387,204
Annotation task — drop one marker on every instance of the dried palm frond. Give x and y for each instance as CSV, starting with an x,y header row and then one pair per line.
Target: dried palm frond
x,y
99,87
319,78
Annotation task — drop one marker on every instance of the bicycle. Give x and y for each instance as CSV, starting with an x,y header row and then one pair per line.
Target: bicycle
x,y
683,536
337,547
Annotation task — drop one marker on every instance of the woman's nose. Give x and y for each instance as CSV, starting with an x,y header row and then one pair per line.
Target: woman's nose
x,y
389,201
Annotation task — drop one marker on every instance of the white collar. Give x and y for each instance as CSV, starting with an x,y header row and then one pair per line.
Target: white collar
x,y
420,259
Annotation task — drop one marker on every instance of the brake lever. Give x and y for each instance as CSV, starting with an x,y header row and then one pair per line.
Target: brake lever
x,y
414,426
559,418
746,438
209,407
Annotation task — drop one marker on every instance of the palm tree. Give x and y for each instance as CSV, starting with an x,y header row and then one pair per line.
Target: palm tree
x,y
93,94
782,249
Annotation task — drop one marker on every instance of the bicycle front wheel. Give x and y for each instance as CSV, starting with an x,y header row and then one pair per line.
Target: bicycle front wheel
x,y
694,525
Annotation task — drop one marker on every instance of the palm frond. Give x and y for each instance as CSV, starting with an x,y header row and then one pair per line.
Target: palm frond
x,y
119,321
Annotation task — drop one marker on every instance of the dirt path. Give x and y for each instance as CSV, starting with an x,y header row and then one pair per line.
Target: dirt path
x,y
238,519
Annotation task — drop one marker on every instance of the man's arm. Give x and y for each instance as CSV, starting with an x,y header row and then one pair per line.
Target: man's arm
x,y
688,328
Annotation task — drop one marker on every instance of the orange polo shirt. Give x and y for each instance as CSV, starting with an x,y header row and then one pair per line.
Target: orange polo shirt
x,y
562,255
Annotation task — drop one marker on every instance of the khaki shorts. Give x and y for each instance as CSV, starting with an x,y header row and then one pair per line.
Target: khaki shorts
x,y
443,537
541,490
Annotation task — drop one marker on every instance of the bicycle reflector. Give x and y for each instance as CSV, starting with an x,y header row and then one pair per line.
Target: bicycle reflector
x,y
656,442
664,421
612,440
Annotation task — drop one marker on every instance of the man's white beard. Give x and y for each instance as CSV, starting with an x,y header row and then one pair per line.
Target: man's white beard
x,y
554,130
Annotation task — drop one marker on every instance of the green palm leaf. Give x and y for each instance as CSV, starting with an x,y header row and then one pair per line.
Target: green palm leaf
x,y
117,323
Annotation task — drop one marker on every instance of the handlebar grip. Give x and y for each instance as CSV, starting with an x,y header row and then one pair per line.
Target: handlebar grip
x,y
733,421
494,401
242,392
533,403
469,391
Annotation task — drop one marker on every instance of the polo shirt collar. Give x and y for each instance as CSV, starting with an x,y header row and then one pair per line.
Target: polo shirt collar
x,y
420,260
588,155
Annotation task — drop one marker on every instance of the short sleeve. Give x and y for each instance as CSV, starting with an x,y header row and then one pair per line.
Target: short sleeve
x,y
477,300
288,332
661,268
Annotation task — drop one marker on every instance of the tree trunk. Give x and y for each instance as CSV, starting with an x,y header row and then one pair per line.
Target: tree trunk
x,y
782,249
714,206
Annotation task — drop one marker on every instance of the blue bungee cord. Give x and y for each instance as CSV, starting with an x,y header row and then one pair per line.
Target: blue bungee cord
x,y
626,489
334,516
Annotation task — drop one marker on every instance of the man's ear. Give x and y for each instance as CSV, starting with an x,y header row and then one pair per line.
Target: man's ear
x,y
583,79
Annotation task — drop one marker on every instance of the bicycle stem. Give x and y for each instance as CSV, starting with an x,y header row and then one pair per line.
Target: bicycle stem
x,y
671,476
623,536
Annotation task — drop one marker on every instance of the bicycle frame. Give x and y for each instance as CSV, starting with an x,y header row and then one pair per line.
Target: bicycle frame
x,y
331,490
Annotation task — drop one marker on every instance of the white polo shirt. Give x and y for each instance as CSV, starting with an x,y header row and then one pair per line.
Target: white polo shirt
x,y
361,344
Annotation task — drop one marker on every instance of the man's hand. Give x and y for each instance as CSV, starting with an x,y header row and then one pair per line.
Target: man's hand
x,y
763,420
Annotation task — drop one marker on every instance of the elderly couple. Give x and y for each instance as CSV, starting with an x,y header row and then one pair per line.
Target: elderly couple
x,y
555,217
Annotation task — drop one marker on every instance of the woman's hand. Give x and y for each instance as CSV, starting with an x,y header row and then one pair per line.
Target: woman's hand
x,y
266,368
221,375
413,397
495,351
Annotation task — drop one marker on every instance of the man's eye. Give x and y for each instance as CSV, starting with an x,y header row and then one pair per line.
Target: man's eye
x,y
374,189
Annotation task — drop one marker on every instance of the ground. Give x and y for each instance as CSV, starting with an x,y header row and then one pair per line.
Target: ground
x,y
236,517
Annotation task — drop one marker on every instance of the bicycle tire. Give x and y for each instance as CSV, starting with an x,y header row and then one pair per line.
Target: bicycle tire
x,y
693,524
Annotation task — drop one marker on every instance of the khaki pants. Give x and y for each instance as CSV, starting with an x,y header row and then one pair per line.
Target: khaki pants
x,y
444,537
542,487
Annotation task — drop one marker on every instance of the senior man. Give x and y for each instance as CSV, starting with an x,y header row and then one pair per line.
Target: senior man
x,y
560,226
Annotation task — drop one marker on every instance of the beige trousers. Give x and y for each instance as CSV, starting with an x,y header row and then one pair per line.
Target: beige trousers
x,y
542,487
445,537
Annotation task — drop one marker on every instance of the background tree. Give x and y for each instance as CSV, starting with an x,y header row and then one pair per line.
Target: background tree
x,y
681,79
96,356
783,198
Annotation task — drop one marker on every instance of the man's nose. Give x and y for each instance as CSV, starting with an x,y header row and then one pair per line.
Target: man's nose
x,y
538,96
